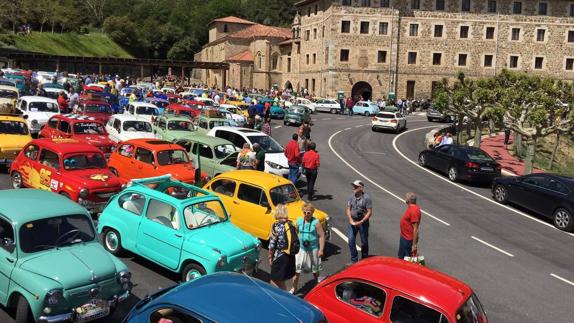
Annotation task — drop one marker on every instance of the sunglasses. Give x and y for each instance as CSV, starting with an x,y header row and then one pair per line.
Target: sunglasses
x,y
308,212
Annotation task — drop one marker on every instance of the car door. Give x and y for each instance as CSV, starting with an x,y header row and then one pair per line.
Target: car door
x,y
252,211
226,190
48,169
528,192
206,157
431,156
160,234
7,257
552,196
144,162
124,161
51,128
444,158
406,309
130,210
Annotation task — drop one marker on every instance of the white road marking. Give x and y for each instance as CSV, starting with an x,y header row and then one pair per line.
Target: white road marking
x,y
492,246
340,118
277,127
466,189
562,279
373,182
347,128
326,119
358,126
374,152
342,236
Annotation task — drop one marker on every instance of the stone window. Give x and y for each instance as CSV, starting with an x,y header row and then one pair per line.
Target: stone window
x,y
346,2
414,30
364,27
571,36
307,59
415,4
412,58
382,56
491,6
462,59
465,5
274,61
314,58
540,34
513,62
307,84
538,63
308,11
345,27
515,34
542,8
439,5
438,31
489,33
307,34
572,10
344,55
383,28
313,86
365,3
259,60
288,64
488,60
569,64
314,33
410,95
517,7
384,3
316,9
225,28
436,58
463,31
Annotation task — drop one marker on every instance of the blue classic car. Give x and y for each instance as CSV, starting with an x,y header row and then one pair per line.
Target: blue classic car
x,y
178,226
366,108
224,297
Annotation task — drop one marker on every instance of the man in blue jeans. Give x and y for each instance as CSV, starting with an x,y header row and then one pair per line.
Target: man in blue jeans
x,y
359,210
293,158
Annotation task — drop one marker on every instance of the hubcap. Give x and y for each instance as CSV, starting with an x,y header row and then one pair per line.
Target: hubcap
x,y
422,160
562,219
16,180
111,241
500,193
192,274
452,174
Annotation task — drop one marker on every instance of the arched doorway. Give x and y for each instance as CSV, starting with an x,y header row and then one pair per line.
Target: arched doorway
x,y
362,89
288,86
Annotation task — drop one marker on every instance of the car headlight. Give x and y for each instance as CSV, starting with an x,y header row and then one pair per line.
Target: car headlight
x,y
258,246
84,192
124,277
54,297
222,261
273,165
34,122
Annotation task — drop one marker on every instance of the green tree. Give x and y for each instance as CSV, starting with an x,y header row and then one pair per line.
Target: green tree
x,y
122,30
184,49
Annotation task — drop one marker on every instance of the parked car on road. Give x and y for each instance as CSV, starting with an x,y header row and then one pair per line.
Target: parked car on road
x,y
52,267
38,110
14,135
172,128
178,226
435,115
142,109
383,289
297,115
302,101
328,105
8,94
389,121
216,155
99,110
123,127
205,124
366,108
546,194
182,110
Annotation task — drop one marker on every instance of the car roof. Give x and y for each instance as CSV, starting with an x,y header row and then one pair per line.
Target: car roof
x,y
153,144
143,104
169,117
209,140
24,206
244,131
10,117
8,87
419,282
65,145
75,118
35,98
257,177
129,117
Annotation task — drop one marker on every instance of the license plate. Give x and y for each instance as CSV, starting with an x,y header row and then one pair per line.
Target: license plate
x,y
487,169
92,311
292,120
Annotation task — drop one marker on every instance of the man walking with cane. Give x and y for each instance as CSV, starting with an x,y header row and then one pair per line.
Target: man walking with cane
x,y
359,210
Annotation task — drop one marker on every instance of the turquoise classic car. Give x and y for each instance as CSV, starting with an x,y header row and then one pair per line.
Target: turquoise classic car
x,y
172,128
178,226
297,114
52,267
216,155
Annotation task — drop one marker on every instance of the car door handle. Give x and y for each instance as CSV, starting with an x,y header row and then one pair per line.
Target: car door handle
x,y
235,202
10,260
178,235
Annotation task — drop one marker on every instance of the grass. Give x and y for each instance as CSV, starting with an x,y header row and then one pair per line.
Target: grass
x,y
563,163
69,44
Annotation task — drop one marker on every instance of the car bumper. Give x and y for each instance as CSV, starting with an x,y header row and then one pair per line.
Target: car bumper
x,y
91,206
383,126
480,177
280,172
72,316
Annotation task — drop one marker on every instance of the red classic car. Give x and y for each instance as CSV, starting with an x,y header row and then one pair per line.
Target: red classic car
x,y
97,109
85,129
182,110
68,167
382,289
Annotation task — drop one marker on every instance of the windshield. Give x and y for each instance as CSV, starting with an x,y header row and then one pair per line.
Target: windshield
x,y
471,312
284,194
222,151
171,157
89,128
43,107
267,143
140,126
297,110
13,128
180,125
478,156
218,123
147,111
7,94
55,232
97,108
84,161
205,213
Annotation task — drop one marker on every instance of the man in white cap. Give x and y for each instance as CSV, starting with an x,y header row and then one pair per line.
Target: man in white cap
x,y
359,210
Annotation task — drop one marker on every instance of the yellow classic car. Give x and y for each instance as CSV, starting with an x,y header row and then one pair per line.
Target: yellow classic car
x,y
251,197
14,135
8,95
242,106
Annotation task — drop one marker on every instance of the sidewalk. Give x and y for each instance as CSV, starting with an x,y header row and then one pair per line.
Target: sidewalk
x,y
511,166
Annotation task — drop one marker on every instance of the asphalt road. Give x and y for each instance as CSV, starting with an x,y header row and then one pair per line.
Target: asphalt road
x,y
520,266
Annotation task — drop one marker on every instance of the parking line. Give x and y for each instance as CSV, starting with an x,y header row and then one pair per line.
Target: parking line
x,y
492,246
342,236
358,126
326,119
464,188
562,279
277,127
373,182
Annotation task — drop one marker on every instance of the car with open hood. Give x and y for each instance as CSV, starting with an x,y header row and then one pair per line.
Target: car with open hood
x,y
14,135
38,110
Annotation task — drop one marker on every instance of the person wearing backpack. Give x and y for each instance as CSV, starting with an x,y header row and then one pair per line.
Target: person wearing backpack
x,y
283,246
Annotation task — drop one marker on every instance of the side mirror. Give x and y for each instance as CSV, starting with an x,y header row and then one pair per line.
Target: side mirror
x,y
8,244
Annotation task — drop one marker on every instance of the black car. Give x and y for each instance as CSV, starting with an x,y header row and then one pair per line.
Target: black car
x,y
547,194
461,163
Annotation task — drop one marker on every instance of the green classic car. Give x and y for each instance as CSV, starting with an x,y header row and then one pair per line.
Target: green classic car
x,y
52,267
216,155
178,226
297,114
172,128
204,124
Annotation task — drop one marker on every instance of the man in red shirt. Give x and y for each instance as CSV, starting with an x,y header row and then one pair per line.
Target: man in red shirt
x,y
62,102
410,227
293,158
311,163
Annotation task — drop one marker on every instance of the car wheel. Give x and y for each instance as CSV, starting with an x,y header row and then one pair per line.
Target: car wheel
x,y
398,129
563,219
192,271
16,180
114,171
374,129
367,113
422,160
452,174
23,311
500,194
284,123
429,119
112,242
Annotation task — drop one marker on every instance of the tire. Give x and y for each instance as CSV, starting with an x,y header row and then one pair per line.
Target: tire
x,y
284,123
114,171
500,194
333,111
452,174
23,311
562,219
367,114
16,180
192,271
429,119
374,129
422,160
398,130
112,242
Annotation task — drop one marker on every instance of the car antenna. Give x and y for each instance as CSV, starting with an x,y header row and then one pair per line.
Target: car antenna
x,y
273,298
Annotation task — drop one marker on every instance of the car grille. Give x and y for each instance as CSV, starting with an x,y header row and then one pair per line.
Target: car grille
x,y
81,294
105,196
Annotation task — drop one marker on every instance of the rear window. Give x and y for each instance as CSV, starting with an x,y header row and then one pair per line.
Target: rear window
x,y
386,115
478,155
471,312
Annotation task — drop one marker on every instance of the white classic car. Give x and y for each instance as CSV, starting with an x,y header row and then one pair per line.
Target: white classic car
x,y
38,109
123,127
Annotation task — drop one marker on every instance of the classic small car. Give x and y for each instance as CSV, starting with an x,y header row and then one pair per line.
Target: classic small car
x,y
142,109
178,226
8,94
161,104
122,127
140,158
172,128
297,114
204,124
328,105
216,155
383,289
53,268
182,110
245,299
230,113
99,110
14,135
252,196
38,109
68,167
85,129
366,108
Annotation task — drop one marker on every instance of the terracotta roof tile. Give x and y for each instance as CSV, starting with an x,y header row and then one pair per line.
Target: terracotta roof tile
x,y
262,31
232,19
245,56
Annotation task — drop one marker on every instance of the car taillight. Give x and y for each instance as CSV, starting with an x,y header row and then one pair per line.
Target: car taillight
x,y
394,121
472,165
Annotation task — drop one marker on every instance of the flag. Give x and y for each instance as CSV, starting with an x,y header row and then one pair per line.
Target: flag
x,y
197,166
